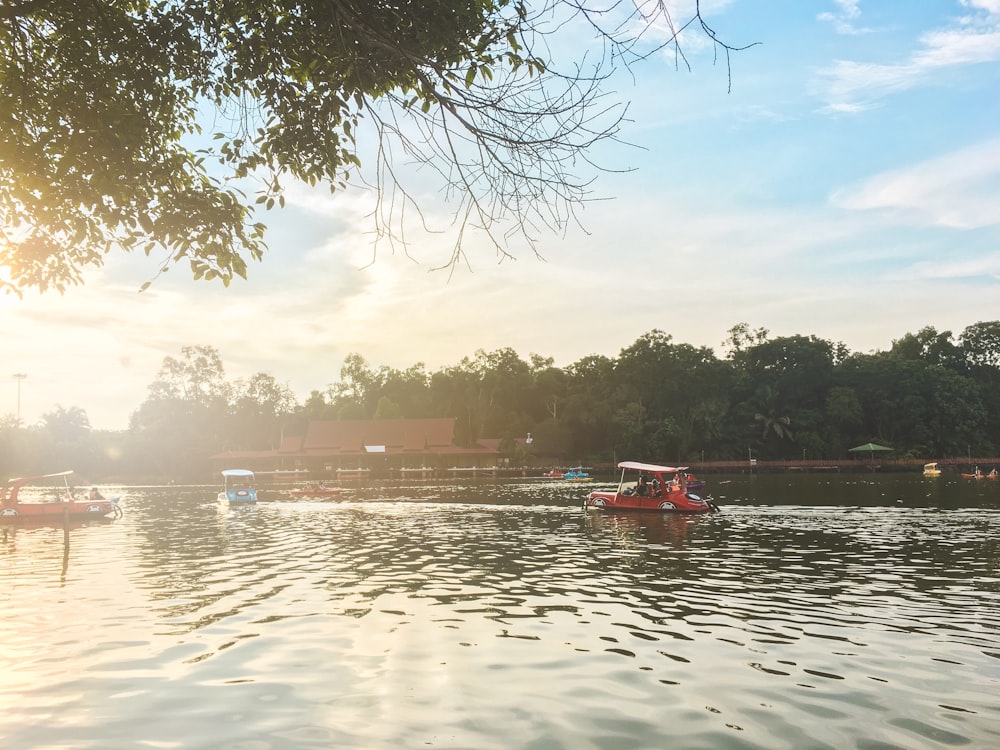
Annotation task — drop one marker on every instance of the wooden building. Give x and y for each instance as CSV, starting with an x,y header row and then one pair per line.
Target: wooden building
x,y
368,447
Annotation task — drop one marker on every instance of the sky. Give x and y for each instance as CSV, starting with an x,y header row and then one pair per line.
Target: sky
x,y
840,179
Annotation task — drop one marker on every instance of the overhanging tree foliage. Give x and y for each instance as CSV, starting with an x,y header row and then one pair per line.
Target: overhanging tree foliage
x,y
102,105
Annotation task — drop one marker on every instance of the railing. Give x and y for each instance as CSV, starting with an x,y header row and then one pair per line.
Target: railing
x,y
859,464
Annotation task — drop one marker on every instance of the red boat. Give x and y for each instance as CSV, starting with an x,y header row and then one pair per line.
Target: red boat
x,y
651,487
315,489
980,475
13,509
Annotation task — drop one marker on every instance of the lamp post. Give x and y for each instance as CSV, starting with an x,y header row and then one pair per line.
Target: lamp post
x,y
19,376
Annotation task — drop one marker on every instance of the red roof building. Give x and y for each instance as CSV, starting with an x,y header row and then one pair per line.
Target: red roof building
x,y
385,446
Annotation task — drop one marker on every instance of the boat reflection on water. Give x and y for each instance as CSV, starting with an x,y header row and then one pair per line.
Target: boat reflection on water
x,y
645,527
30,530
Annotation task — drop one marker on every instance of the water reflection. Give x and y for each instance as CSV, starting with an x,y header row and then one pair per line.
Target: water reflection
x,y
501,614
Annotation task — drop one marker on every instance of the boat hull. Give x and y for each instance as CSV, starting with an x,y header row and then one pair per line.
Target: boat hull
x,y
670,502
238,497
58,511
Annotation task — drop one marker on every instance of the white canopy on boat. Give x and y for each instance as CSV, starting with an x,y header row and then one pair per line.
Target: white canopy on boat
x,y
650,467
237,473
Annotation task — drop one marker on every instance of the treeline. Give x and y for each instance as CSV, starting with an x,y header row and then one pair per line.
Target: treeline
x,y
931,395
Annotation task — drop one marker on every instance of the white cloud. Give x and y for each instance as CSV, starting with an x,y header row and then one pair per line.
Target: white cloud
x,y
990,6
854,86
960,190
843,21
981,267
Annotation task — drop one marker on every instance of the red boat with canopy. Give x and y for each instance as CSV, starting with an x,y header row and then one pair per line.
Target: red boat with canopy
x,y
651,487
12,508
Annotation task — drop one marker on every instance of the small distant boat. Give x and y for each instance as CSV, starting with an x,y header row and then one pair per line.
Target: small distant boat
x,y
577,474
978,474
931,470
651,487
315,489
238,487
14,509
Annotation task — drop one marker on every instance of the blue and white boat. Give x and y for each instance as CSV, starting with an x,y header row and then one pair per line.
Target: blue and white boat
x,y
577,474
239,487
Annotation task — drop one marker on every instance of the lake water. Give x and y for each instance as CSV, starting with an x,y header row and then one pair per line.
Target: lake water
x,y
844,611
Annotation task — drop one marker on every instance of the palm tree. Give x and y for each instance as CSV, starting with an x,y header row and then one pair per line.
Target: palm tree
x,y
768,417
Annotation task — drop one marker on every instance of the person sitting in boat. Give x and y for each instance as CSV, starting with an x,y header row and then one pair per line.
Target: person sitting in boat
x,y
642,489
656,486
94,494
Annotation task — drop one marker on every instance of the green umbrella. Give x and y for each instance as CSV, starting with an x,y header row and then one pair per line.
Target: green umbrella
x,y
871,448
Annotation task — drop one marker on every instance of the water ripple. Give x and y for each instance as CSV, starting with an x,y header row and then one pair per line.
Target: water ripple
x,y
499,615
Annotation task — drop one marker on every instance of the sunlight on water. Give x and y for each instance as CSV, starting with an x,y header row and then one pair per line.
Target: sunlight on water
x,y
501,614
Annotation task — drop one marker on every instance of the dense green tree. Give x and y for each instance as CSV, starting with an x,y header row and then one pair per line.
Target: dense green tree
x,y
506,385
786,398
768,417
355,395
260,406
588,408
199,376
843,419
919,408
183,420
65,439
980,344
927,345
798,368
408,389
741,337
66,425
456,393
387,409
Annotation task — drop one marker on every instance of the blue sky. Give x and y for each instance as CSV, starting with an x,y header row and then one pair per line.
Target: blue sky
x,y
847,186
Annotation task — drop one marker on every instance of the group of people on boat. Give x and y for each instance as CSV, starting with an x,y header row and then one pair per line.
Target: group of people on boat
x,y
93,495
978,474
652,488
